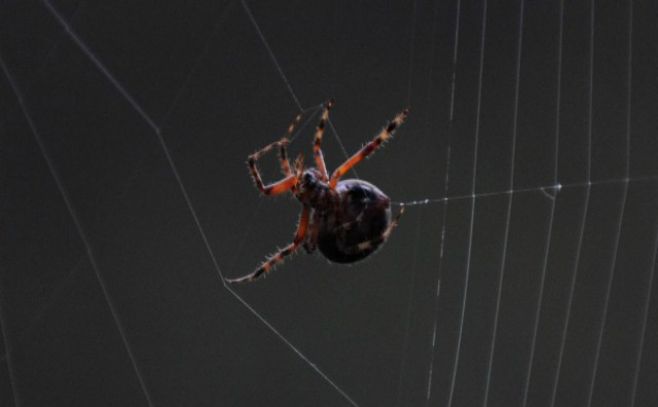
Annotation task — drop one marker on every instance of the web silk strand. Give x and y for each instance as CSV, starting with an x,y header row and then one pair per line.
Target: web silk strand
x,y
611,275
9,362
444,213
645,320
501,275
547,248
462,310
583,223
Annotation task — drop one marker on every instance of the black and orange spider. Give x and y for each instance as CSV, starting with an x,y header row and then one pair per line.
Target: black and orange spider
x,y
347,220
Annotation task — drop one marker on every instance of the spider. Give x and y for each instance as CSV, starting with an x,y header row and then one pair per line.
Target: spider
x,y
347,220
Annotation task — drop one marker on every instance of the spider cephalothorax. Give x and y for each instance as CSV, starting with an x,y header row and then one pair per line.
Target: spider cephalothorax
x,y
347,220
315,192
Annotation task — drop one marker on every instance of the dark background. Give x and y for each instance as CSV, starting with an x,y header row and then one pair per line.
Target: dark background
x,y
198,75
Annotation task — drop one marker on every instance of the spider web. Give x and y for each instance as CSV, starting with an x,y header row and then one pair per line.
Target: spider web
x,y
523,274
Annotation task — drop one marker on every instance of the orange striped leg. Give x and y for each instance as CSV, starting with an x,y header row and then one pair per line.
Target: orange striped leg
x,y
278,257
283,154
368,244
319,132
283,185
275,188
383,136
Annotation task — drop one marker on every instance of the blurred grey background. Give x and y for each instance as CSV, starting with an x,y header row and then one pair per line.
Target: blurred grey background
x,y
575,325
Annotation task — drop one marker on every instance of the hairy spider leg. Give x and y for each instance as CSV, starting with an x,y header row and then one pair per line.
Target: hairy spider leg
x,y
279,187
290,181
319,132
283,154
368,244
383,136
279,256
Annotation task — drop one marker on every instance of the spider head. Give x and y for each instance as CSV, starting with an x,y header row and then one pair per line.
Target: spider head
x,y
309,180
312,190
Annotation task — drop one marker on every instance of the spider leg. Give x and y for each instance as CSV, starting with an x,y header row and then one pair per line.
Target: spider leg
x,y
377,240
276,188
283,185
279,256
384,135
283,144
319,132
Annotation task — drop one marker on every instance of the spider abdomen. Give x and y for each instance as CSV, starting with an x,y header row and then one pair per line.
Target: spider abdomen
x,y
354,229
